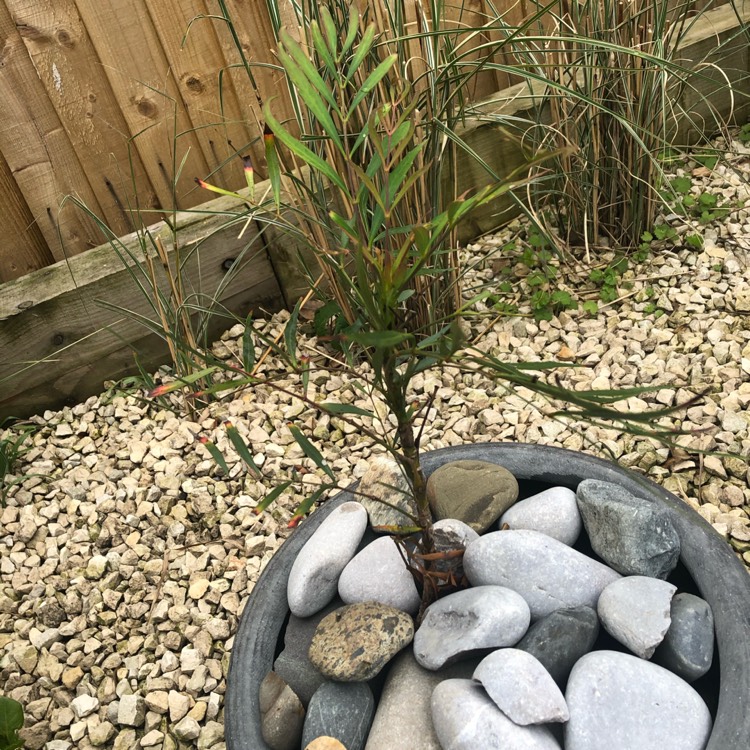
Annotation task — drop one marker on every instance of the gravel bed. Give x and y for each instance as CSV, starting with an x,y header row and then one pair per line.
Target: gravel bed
x,y
126,556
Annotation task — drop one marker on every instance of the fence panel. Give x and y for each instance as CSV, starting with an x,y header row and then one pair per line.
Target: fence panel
x,y
123,102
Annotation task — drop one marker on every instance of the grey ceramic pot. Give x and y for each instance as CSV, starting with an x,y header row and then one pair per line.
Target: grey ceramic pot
x,y
719,576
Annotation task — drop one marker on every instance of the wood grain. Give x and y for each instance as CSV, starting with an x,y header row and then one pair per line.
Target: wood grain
x,y
195,57
28,251
76,85
148,96
56,335
38,151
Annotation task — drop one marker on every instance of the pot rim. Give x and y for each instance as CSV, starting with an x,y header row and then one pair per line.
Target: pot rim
x,y
719,575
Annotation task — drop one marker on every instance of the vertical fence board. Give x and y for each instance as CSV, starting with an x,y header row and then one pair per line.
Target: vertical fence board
x,y
147,94
25,248
78,89
38,150
256,34
196,60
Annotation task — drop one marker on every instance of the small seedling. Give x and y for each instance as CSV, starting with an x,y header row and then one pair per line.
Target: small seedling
x,y
11,720
12,448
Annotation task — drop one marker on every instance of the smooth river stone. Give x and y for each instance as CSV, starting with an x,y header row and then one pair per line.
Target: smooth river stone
x,y
403,720
450,535
548,574
636,612
293,664
465,718
560,639
384,482
355,642
553,512
688,647
342,710
281,714
632,535
460,624
379,574
521,687
314,577
475,492
620,702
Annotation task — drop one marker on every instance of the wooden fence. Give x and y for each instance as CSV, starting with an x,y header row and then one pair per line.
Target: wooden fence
x,y
107,100
96,94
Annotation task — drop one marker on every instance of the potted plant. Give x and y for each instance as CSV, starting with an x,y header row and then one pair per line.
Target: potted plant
x,y
352,189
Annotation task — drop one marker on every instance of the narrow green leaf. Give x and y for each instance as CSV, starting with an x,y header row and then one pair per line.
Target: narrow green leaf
x,y
311,451
299,149
241,447
321,47
379,339
215,454
270,497
165,388
332,34
346,225
332,408
272,163
351,32
397,176
248,346
307,90
304,507
362,49
372,81
306,68
290,334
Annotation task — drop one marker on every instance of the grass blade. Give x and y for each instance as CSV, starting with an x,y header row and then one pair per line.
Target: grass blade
x,y
270,497
304,507
311,451
241,447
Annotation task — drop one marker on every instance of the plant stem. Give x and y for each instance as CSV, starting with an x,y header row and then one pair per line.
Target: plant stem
x,y
410,460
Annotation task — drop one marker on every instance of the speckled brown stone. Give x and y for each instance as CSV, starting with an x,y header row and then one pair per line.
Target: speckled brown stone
x,y
355,642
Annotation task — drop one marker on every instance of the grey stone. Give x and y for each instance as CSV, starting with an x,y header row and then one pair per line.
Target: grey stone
x,y
521,687
131,711
553,512
465,622
450,535
314,577
382,490
379,574
548,574
84,705
560,639
466,719
343,711
636,612
632,535
281,714
101,733
621,702
293,664
403,720
188,729
688,647
355,642
475,492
